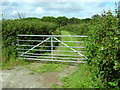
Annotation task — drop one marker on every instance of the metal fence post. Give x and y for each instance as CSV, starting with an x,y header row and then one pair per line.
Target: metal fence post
x,y
52,48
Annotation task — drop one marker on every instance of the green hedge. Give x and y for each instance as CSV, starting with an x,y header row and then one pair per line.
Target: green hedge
x,y
104,49
10,28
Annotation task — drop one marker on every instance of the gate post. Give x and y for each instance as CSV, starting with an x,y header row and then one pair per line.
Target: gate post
x,y
52,48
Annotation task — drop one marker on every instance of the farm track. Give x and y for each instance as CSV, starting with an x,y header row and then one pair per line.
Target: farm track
x,y
19,77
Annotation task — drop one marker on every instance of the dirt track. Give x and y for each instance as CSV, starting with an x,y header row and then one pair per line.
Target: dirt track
x,y
20,78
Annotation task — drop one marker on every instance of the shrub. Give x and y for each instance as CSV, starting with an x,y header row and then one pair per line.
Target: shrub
x,y
104,49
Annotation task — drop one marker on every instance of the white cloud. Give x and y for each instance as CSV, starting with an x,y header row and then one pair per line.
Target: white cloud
x,y
68,9
14,12
0,10
39,10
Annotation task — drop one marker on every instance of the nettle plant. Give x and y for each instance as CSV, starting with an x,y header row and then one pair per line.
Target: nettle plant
x,y
104,49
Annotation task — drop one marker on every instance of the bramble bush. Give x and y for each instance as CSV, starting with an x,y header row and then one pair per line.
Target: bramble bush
x,y
104,49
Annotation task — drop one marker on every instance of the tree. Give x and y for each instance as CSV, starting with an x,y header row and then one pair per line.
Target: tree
x,y
62,21
74,20
96,16
49,19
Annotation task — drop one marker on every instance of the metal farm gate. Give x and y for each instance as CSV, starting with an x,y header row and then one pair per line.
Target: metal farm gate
x,y
43,48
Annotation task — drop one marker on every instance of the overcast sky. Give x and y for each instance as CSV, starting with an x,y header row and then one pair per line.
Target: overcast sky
x,y
69,8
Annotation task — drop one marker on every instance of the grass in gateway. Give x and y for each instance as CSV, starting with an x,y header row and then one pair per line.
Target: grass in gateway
x,y
46,67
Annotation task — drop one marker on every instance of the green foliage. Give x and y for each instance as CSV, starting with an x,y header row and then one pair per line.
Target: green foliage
x,y
87,20
10,28
48,19
62,20
82,78
31,18
79,29
12,63
104,49
74,20
54,85
46,68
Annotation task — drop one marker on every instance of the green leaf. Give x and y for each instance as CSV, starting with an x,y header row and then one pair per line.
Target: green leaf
x,y
115,38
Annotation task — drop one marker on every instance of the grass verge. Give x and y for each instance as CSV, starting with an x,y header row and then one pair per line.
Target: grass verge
x,y
80,79
12,63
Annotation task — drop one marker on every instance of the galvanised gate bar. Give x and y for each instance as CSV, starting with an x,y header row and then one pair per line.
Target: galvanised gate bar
x,y
43,48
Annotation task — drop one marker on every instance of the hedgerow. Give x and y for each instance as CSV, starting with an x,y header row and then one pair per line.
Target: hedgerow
x,y
104,49
10,28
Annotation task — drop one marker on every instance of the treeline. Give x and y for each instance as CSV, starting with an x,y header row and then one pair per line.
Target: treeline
x,y
61,20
